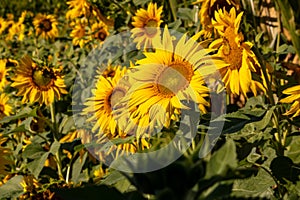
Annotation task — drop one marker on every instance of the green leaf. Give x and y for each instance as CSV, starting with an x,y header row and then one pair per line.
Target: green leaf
x,y
36,166
77,167
54,147
222,160
293,150
33,151
262,124
12,188
26,112
186,14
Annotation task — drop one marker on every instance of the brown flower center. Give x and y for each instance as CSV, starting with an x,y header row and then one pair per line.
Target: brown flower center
x,y
232,53
151,27
117,94
43,78
46,25
100,35
174,78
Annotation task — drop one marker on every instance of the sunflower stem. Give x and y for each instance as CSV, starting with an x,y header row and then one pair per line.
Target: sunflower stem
x,y
56,138
53,120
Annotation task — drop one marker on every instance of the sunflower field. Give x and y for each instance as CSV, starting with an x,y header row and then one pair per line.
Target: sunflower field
x,y
142,99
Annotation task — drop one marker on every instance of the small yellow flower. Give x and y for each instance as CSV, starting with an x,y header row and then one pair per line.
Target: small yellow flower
x,y
99,31
5,107
79,33
146,23
38,83
46,26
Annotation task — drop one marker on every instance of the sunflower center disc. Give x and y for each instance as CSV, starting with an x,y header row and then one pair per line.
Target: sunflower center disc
x,y
231,51
41,78
1,76
101,36
46,25
116,96
151,27
174,78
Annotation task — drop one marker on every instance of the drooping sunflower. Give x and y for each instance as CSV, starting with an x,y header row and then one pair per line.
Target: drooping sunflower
x,y
78,8
5,107
79,33
99,31
108,93
3,73
45,26
207,10
4,154
242,61
146,23
294,98
3,25
170,75
36,83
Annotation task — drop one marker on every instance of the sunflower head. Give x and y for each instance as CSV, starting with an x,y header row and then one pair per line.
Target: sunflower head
x,y
45,26
107,95
99,31
237,53
146,23
79,33
38,83
169,77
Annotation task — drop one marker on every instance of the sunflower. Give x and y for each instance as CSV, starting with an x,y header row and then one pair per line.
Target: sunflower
x,y
78,8
108,93
99,31
3,73
38,83
237,77
294,98
79,33
170,75
3,25
4,154
17,29
206,13
5,108
45,26
105,96
146,23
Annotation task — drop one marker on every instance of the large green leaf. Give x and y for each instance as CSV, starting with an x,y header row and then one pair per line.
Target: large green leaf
x,y
222,160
